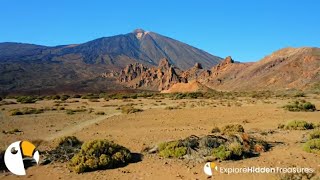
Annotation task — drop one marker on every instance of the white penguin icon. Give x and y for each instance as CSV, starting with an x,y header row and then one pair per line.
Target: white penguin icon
x,y
16,153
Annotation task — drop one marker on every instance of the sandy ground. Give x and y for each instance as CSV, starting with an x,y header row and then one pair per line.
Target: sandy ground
x,y
157,124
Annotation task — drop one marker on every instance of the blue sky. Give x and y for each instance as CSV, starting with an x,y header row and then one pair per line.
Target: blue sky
x,y
247,30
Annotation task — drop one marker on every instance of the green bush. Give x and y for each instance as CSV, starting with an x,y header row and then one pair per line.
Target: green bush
x,y
172,149
69,141
312,146
99,154
232,128
222,152
299,125
314,135
26,99
302,105
232,151
130,109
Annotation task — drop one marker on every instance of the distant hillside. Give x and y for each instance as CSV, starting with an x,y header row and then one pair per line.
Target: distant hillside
x,y
288,68
33,68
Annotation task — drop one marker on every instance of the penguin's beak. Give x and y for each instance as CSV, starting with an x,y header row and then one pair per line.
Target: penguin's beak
x,y
29,151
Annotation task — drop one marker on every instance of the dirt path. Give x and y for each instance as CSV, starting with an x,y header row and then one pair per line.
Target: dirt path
x,y
78,127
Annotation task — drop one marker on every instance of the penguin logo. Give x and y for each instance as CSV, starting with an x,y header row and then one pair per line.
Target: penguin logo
x,y
208,168
20,155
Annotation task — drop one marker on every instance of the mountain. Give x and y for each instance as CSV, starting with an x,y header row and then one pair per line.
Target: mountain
x,y
78,67
288,68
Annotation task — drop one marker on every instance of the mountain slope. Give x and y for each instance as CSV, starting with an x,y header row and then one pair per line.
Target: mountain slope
x,y
28,67
288,68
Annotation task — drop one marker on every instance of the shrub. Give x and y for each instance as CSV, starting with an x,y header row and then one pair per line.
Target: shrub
x,y
76,96
299,125
172,149
69,141
99,154
171,107
314,135
129,110
100,113
215,130
299,94
73,111
90,96
64,97
26,99
312,146
300,106
235,148
232,128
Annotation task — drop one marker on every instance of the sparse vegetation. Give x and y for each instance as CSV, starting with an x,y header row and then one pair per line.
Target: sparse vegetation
x,y
26,99
172,149
297,125
27,110
232,128
99,154
73,111
302,105
130,109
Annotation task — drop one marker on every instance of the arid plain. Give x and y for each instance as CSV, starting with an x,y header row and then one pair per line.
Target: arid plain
x,y
161,119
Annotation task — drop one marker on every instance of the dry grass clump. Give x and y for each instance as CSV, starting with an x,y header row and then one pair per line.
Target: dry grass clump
x,y
232,128
69,141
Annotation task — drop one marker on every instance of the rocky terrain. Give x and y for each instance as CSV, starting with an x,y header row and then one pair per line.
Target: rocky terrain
x,y
289,68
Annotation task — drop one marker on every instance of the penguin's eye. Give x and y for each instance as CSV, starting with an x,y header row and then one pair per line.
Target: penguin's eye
x,y
13,150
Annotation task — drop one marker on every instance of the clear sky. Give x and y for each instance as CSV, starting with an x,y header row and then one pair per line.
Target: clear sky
x,y
248,30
